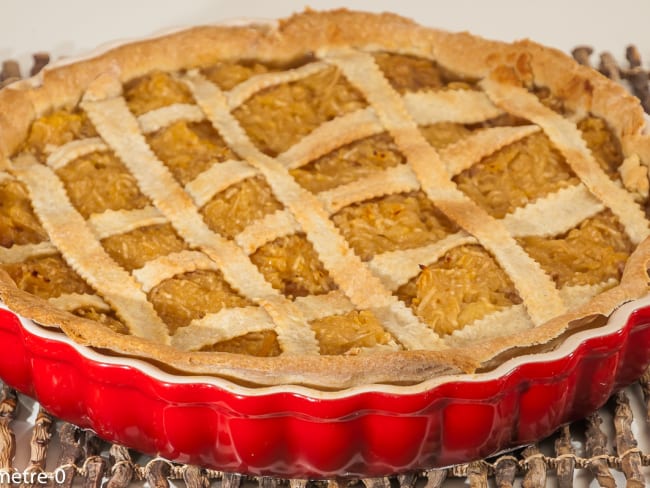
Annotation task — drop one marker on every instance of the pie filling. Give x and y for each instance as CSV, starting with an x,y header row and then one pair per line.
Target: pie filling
x,y
448,281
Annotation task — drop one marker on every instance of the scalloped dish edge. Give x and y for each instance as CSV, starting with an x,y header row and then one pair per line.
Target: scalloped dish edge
x,y
616,322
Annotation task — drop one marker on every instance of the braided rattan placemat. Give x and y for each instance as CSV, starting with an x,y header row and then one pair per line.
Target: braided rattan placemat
x,y
602,449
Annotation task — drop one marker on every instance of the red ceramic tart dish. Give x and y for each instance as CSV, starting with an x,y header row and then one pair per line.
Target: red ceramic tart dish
x,y
405,243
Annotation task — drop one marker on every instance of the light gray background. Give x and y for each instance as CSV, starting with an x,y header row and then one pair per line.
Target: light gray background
x,y
72,26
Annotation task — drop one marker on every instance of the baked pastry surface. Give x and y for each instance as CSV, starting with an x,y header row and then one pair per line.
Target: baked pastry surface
x,y
337,199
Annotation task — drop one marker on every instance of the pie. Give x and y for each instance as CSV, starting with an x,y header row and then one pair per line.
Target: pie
x,y
334,199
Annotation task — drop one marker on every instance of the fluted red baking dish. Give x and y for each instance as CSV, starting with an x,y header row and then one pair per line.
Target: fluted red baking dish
x,y
362,431
299,432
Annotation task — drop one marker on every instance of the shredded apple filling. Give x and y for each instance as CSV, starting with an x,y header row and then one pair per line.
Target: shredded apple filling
x,y
57,128
118,189
188,149
189,296
155,91
393,222
340,334
239,205
292,266
18,224
516,175
349,163
134,249
464,285
594,252
278,117
46,277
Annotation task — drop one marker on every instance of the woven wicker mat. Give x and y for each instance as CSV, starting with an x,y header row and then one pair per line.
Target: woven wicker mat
x,y
601,449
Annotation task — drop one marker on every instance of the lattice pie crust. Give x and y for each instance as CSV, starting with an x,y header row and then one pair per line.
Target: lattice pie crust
x,y
362,270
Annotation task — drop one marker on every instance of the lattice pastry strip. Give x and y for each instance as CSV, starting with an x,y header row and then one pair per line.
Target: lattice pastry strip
x,y
397,179
397,267
62,155
462,106
459,156
267,229
226,324
505,322
330,136
229,323
243,91
389,113
216,179
220,176
514,319
170,265
345,268
164,116
566,137
113,222
400,265
318,306
536,289
555,214
425,108
73,301
19,253
61,220
120,130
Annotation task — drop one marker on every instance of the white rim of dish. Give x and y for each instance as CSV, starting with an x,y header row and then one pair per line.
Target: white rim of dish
x,y
617,320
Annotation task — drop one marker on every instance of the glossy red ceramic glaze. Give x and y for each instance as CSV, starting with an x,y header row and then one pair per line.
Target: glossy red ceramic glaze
x,y
304,433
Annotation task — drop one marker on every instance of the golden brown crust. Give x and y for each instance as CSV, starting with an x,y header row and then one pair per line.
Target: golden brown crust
x,y
407,367
521,64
